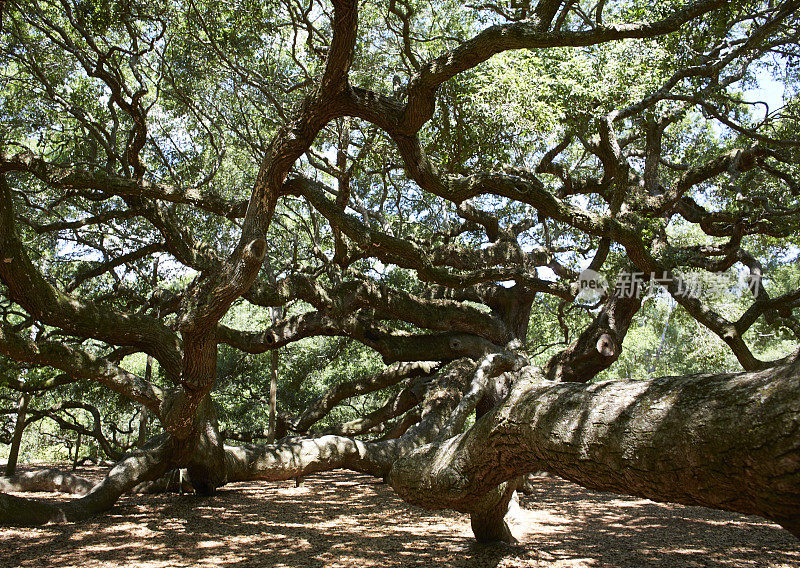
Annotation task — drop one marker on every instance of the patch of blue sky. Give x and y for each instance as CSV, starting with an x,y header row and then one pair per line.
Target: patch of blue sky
x,y
768,90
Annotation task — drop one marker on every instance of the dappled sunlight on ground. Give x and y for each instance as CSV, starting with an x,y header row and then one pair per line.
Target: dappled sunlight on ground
x,y
566,521
346,520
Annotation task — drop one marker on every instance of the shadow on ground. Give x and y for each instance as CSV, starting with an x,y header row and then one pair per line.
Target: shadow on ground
x,y
342,519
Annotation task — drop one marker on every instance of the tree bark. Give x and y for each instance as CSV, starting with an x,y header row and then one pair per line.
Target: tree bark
x,y
206,462
77,452
488,515
599,345
144,421
46,480
273,395
729,442
146,464
16,438
144,414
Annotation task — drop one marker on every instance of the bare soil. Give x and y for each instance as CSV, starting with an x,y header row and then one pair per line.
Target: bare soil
x,y
343,519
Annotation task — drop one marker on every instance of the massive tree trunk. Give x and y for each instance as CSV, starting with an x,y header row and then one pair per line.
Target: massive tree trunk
x,y
206,462
728,441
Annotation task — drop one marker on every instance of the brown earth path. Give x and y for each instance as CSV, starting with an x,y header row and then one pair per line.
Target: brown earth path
x,y
342,519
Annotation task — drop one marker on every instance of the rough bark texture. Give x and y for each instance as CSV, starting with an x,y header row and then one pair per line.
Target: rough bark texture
x,y
724,441
598,346
146,464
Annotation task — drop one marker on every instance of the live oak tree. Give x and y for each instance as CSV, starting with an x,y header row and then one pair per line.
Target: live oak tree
x,y
426,179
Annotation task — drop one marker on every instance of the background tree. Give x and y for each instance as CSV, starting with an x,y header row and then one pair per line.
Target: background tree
x,y
422,183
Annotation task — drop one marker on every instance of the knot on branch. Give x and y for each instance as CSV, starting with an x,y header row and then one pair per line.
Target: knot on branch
x,y
255,251
606,346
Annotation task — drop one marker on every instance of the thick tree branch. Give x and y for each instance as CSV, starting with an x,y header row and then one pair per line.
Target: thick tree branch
x,y
722,441
80,365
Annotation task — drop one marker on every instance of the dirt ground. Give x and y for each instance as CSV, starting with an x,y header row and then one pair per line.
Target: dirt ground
x,y
343,520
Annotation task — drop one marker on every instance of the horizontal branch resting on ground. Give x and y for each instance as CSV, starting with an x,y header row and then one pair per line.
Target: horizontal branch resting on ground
x,y
729,442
